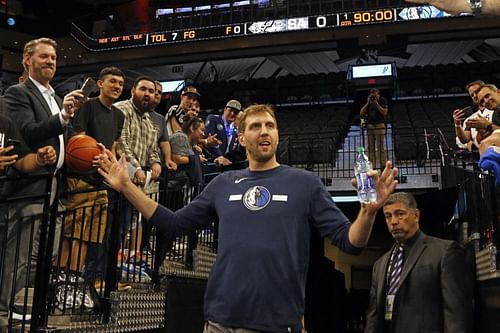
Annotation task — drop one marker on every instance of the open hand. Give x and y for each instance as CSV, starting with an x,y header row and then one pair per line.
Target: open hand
x,y
115,172
449,6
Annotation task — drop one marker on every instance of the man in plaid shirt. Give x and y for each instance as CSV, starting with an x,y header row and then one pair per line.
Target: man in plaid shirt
x,y
138,139
138,142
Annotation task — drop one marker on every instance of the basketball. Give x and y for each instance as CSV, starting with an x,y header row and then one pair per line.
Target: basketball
x,y
80,152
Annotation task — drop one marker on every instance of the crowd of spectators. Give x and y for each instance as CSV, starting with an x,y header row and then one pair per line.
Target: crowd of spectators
x,y
35,127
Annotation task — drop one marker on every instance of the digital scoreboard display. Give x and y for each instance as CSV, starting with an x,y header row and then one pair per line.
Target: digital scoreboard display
x,y
337,20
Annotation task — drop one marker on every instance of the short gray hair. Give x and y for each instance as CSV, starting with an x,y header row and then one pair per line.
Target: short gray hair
x,y
407,198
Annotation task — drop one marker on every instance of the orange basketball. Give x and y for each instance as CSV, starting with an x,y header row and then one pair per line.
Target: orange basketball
x,y
80,152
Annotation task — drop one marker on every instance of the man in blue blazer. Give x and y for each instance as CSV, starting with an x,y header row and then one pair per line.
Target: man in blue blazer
x,y
429,289
224,128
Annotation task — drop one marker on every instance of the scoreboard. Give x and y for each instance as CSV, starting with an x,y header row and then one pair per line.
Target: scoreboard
x,y
305,23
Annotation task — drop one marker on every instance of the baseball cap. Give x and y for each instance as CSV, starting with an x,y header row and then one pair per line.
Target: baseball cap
x,y
234,104
190,90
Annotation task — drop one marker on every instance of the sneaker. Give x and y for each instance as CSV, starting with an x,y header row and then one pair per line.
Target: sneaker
x,y
20,317
122,286
89,297
135,273
65,299
72,293
143,265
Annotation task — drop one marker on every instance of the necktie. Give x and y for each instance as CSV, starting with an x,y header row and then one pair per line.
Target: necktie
x,y
396,270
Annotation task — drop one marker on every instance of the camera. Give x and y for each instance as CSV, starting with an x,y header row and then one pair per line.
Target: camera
x,y
373,98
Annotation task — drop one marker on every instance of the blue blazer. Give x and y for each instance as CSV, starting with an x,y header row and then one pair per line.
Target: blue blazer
x,y
215,125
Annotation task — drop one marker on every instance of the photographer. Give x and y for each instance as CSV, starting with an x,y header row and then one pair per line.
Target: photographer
x,y
375,112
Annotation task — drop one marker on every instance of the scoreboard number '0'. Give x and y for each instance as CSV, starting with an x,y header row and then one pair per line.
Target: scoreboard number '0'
x,y
320,21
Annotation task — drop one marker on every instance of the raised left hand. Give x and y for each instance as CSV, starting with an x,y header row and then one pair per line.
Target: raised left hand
x,y
115,172
385,184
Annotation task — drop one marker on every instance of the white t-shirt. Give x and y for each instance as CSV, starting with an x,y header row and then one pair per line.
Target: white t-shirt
x,y
486,113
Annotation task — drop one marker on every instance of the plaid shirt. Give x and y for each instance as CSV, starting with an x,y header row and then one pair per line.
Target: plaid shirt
x,y
139,136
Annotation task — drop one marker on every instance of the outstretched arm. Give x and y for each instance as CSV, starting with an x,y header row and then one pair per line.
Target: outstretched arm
x,y
490,7
360,231
116,174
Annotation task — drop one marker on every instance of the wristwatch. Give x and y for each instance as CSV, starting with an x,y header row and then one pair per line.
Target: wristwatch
x,y
476,6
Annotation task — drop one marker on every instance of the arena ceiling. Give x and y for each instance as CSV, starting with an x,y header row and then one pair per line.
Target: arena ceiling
x,y
474,41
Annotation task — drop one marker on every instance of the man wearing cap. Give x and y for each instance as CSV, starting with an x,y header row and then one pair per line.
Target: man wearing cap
x,y
222,126
175,115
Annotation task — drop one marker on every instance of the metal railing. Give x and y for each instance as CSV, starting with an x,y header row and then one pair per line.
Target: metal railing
x,y
66,267
418,155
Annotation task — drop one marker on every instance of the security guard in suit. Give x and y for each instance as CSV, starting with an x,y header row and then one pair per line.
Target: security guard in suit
x,y
423,283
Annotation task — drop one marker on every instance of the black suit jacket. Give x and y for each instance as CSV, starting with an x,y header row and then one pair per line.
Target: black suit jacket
x,y
26,106
435,294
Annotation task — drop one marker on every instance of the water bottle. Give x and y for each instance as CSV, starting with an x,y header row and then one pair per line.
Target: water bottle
x,y
366,184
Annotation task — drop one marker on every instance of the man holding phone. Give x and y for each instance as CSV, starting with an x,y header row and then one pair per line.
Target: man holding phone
x,y
468,127
43,119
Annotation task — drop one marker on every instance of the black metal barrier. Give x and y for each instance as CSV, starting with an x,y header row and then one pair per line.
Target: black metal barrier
x,y
99,265
477,212
417,153
26,248
477,224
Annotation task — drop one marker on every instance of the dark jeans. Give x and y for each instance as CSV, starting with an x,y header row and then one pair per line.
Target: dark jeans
x,y
19,236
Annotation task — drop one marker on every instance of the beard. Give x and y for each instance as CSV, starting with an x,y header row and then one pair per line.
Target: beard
x,y
142,104
44,73
263,156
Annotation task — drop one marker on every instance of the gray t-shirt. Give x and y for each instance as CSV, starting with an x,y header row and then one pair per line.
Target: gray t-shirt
x,y
180,144
160,124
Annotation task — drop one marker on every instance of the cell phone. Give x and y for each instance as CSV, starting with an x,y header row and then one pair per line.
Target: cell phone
x,y
8,143
468,111
12,142
88,86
